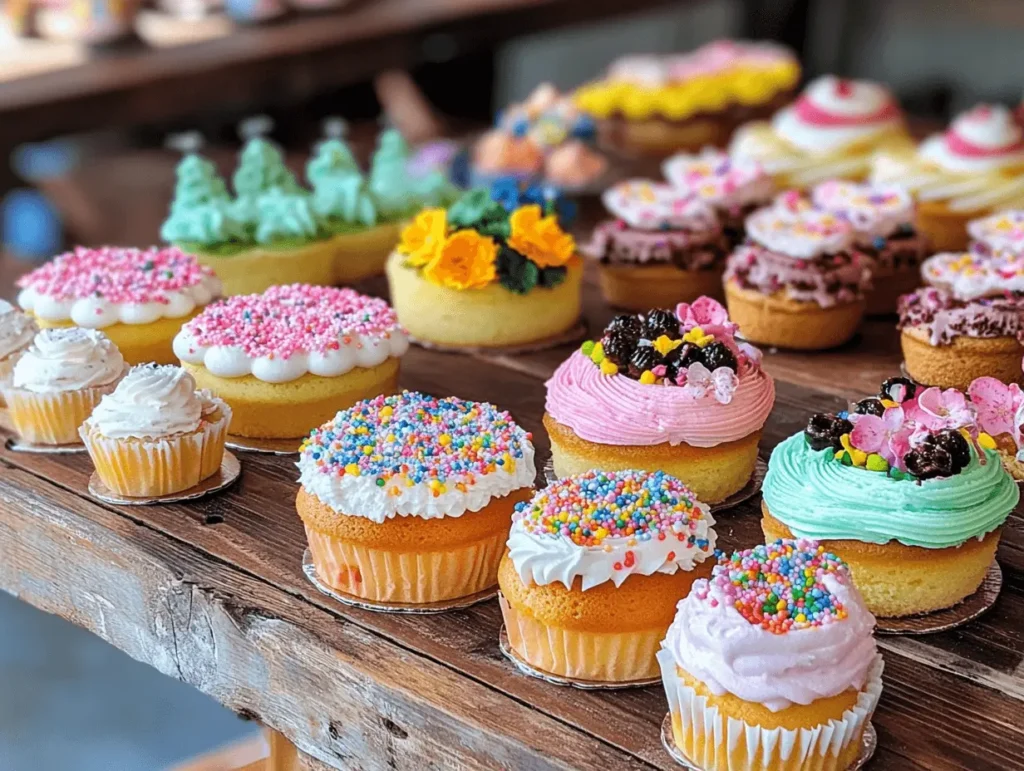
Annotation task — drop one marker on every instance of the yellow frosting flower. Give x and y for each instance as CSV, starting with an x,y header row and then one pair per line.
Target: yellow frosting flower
x,y
539,238
697,337
464,261
664,344
423,238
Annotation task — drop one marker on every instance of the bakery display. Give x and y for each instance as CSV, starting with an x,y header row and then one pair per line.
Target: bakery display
x,y
667,390
139,298
903,487
595,565
408,498
288,359
770,663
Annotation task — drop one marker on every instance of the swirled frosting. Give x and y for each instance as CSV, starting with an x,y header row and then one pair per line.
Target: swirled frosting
x,y
1001,234
982,139
817,497
944,317
726,184
718,640
618,410
647,205
416,455
68,359
574,529
96,288
875,211
288,331
152,401
16,330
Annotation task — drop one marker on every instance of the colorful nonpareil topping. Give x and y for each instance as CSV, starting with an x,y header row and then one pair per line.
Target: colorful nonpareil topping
x,y
723,182
1001,234
875,211
999,409
646,205
972,275
780,586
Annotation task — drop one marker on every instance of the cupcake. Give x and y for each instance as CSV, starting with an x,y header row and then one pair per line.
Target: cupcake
x,y
799,280
139,298
669,391
594,568
407,498
58,381
832,131
16,333
770,664
734,188
999,411
156,435
903,488
883,222
661,104
479,276
1000,234
288,359
970,171
968,324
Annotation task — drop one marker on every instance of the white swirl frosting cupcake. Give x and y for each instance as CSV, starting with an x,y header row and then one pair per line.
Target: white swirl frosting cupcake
x,y
58,381
16,333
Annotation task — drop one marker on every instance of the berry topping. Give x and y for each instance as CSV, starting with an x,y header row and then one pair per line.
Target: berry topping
x,y
869,406
644,359
629,326
825,431
940,455
662,322
898,389
618,348
717,355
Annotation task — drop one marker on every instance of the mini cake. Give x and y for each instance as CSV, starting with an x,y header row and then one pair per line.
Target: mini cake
x,y
16,332
799,281
669,391
999,410
971,170
477,275
903,488
771,665
138,297
58,381
883,221
734,188
288,359
156,434
968,324
832,131
1000,235
663,104
594,568
407,498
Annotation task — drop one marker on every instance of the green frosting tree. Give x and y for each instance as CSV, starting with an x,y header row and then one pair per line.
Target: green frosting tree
x,y
341,198
332,158
435,189
201,209
389,179
285,216
261,169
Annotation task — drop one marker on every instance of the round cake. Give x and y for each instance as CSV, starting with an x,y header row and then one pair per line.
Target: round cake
x,y
595,565
288,359
903,488
770,663
407,498
669,391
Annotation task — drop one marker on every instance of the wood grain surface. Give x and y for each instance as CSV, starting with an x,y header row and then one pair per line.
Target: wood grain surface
x,y
212,593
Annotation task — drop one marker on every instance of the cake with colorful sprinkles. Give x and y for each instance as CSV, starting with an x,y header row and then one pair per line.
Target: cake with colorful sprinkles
x,y
595,565
287,359
138,297
799,281
669,390
771,664
904,487
999,235
407,498
968,323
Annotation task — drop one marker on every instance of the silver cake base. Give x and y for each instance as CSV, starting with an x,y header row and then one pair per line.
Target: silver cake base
x,y
571,335
264,446
16,444
227,475
943,620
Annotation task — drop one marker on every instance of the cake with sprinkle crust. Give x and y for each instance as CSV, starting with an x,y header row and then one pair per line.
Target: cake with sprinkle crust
x,y
288,359
407,498
595,565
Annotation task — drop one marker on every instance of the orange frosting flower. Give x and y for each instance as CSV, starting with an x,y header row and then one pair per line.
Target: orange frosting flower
x,y
540,239
422,239
465,261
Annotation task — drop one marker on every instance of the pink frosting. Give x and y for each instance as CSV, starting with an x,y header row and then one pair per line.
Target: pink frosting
x,y
618,410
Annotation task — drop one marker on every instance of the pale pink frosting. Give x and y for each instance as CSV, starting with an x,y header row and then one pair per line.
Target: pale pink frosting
x,y
614,409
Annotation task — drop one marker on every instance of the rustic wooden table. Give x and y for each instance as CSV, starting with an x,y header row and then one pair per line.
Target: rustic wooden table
x,y
212,593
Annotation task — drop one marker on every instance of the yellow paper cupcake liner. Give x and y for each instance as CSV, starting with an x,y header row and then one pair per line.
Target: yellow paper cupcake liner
x,y
52,418
154,467
383,575
601,656
721,743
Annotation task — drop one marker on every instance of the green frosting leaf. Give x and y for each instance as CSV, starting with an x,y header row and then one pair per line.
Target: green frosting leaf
x,y
551,277
515,272
476,210
284,215
389,176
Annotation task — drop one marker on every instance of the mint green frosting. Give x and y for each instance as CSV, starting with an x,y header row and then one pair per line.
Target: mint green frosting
x,y
284,215
818,497
332,157
389,177
201,212
261,170
344,199
435,189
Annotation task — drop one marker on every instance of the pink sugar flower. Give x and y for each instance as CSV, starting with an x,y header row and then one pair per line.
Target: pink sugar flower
x,y
888,435
935,409
706,313
996,405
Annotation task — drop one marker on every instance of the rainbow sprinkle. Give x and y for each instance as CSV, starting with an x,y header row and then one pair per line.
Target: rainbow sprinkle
x,y
591,507
285,320
778,586
413,438
118,275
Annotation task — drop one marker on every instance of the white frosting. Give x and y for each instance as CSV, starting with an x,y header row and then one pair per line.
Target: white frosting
x,y
802,234
642,69
230,361
1002,233
16,330
723,182
548,558
150,402
68,359
361,496
982,277
97,313
875,211
991,129
647,205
